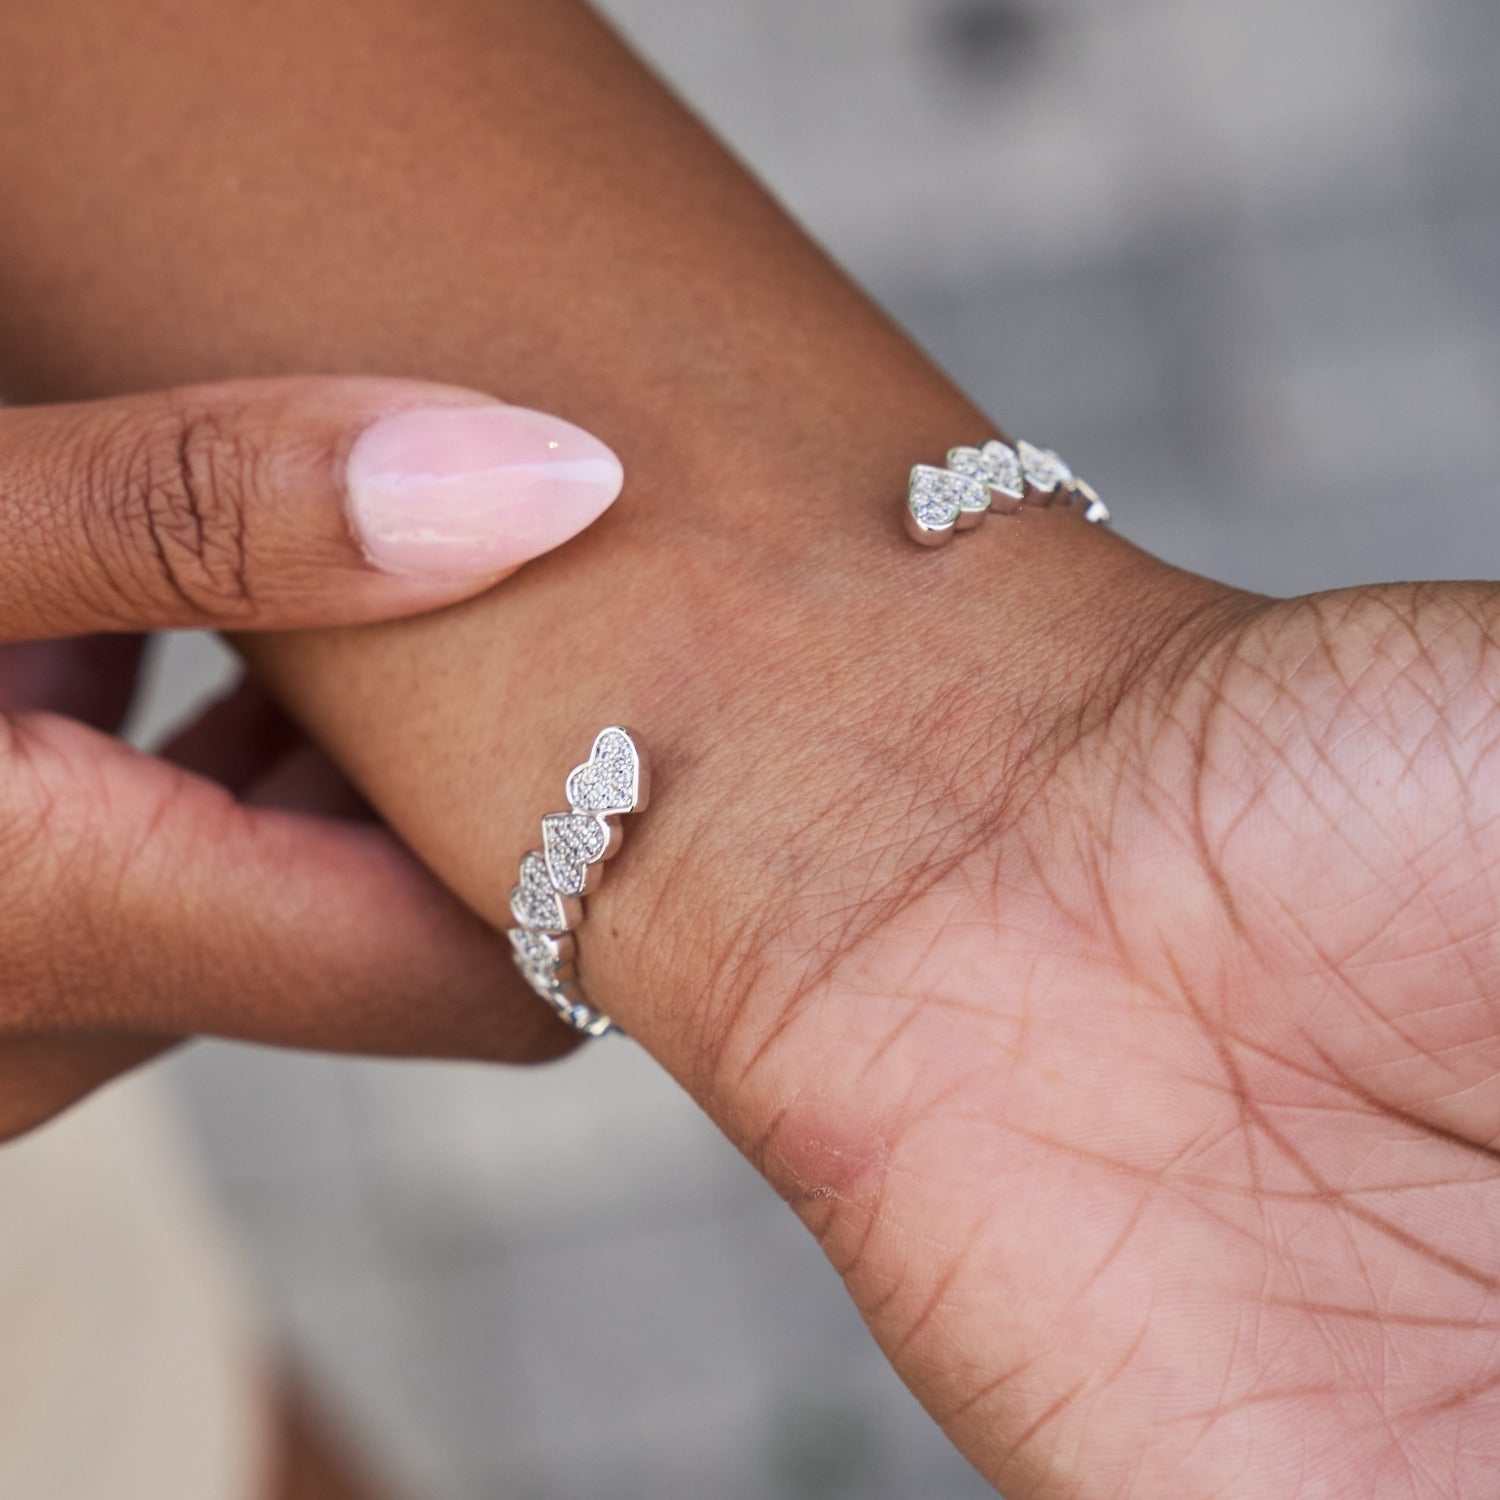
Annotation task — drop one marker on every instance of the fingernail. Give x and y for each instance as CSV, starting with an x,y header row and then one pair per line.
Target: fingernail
x,y
465,491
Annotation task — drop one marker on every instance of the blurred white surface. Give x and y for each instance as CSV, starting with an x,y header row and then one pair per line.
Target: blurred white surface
x,y
131,1363
1239,263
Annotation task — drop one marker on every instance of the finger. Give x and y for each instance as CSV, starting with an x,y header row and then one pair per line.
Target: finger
x,y
279,503
42,1076
144,899
241,741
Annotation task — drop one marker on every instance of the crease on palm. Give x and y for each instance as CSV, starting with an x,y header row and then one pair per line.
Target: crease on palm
x,y
1173,1085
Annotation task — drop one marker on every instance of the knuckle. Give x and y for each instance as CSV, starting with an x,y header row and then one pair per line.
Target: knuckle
x,y
165,502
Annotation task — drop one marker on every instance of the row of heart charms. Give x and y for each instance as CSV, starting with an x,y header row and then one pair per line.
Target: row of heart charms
x,y
546,902
940,501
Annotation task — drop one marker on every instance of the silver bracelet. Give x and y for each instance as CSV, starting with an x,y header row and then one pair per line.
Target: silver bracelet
x,y
996,477
547,901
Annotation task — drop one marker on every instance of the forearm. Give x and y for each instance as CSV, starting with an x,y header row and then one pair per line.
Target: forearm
x,y
841,723
495,195
499,197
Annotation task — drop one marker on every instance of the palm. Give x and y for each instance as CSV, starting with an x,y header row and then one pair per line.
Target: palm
x,y
1165,1106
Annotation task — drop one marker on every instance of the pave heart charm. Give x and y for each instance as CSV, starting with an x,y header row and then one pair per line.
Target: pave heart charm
x,y
545,960
972,502
535,902
546,964
938,500
572,844
612,779
1045,471
998,467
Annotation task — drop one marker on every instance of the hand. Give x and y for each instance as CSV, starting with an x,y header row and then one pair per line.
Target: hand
x,y
1100,959
1123,1021
1103,966
225,885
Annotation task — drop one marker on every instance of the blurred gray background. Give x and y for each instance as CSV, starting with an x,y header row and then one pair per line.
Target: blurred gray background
x,y
1240,264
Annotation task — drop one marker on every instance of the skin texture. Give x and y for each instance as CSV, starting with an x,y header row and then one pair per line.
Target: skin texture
x,y
1101,961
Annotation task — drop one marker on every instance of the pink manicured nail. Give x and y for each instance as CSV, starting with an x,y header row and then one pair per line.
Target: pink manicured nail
x,y
464,491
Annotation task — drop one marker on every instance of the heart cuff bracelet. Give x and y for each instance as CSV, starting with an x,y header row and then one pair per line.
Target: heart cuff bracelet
x,y
547,902
940,501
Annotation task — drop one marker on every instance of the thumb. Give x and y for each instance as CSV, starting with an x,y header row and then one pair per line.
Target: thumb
x,y
262,504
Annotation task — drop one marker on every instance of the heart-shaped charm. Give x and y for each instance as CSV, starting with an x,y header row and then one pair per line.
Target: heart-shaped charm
x,y
1044,470
560,993
535,902
541,956
938,500
547,966
572,844
972,503
613,778
998,468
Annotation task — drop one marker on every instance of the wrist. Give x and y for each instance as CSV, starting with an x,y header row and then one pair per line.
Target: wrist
x,y
787,677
